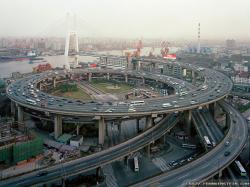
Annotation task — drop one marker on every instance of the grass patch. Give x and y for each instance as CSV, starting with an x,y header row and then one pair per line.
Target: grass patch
x,y
243,108
79,94
113,88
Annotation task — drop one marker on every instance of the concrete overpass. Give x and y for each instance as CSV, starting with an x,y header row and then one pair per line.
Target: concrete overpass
x,y
212,162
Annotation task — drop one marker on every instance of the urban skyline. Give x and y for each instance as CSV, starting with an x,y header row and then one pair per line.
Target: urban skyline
x,y
119,93
147,19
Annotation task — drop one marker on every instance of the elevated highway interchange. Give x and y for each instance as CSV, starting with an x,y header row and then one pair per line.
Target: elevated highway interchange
x,y
216,86
212,162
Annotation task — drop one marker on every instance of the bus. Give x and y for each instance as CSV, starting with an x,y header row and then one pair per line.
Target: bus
x,y
208,143
240,168
135,103
136,164
30,101
190,146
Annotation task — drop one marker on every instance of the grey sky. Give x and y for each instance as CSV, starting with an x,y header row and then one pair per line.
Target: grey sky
x,y
175,19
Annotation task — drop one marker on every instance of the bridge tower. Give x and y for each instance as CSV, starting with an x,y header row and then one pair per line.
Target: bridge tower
x,y
71,35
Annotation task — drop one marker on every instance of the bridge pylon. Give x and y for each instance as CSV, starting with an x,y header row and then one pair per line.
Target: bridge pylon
x,y
71,35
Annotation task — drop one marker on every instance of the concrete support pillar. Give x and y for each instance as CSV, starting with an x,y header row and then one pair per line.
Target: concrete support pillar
x,y
227,122
138,125
57,126
54,82
119,127
98,173
63,182
143,80
149,122
148,150
101,131
108,76
89,77
172,73
193,77
77,129
138,65
12,108
220,174
164,139
40,86
188,117
126,160
181,72
126,78
153,67
20,115
212,109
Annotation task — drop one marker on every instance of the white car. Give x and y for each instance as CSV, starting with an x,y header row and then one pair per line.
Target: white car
x,y
131,110
193,102
165,105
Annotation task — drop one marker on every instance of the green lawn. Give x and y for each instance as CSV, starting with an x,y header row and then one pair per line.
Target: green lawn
x,y
79,94
110,88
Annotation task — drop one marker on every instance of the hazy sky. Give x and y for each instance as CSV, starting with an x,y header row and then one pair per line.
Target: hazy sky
x,y
173,19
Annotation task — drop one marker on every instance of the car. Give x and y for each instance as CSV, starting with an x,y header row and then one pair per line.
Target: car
x,y
175,164
182,161
131,110
193,102
122,103
42,173
171,163
109,110
227,143
213,143
94,109
227,153
165,105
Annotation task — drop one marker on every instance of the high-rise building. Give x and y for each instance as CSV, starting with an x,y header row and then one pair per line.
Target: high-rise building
x,y
230,44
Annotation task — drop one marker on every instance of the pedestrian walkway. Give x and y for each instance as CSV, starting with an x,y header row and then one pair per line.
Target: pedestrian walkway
x,y
161,163
109,176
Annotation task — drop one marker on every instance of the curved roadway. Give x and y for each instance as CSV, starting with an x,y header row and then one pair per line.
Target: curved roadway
x,y
96,160
217,87
209,164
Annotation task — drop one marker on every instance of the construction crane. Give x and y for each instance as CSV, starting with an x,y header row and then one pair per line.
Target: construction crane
x,y
151,52
164,48
138,46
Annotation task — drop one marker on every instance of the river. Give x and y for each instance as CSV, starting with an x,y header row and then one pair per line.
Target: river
x,y
6,68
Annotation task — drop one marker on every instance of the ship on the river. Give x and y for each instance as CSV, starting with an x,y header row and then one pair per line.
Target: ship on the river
x,y
31,55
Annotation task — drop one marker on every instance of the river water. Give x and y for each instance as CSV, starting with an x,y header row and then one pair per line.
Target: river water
x,y
6,68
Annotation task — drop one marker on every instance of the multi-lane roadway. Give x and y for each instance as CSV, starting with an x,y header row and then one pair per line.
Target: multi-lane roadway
x,y
215,87
212,162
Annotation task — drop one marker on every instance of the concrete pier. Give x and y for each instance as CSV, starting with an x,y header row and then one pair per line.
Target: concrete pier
x,y
57,126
